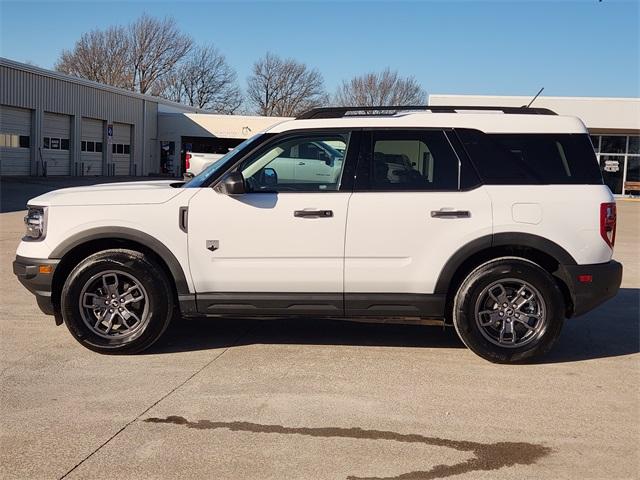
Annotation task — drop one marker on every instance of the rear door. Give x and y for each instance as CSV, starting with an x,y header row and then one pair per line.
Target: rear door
x,y
415,203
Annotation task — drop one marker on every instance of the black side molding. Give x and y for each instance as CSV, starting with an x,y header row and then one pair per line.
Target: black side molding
x,y
268,303
318,304
394,305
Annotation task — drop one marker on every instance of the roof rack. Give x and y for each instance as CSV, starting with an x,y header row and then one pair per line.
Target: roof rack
x,y
339,112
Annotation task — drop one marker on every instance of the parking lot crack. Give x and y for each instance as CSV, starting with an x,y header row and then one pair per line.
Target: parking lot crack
x,y
163,397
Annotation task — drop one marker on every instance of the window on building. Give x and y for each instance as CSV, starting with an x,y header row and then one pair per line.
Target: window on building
x,y
91,147
83,146
11,140
64,144
45,142
113,148
120,148
633,168
98,146
613,144
127,149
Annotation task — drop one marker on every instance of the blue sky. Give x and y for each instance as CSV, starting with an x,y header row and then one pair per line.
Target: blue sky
x,y
574,48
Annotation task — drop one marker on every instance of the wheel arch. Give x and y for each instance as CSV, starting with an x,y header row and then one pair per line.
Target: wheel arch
x,y
542,251
79,246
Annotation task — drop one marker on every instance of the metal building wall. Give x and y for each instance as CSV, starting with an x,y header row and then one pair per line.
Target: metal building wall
x,y
26,87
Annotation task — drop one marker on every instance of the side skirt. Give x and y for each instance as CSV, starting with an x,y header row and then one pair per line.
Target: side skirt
x,y
366,307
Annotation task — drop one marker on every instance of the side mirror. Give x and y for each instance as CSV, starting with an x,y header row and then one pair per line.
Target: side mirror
x,y
269,177
233,184
325,157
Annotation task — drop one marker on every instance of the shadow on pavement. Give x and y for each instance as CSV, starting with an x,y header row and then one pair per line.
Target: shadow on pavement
x,y
611,330
205,333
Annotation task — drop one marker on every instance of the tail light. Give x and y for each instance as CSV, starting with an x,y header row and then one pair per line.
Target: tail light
x,y
608,223
187,161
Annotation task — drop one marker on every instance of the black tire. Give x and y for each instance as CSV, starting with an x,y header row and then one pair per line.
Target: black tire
x,y
157,309
476,337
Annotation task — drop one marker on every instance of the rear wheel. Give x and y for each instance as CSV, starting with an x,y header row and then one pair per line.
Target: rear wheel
x,y
117,301
509,310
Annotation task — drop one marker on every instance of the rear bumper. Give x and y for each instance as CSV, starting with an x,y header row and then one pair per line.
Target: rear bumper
x,y
605,283
29,274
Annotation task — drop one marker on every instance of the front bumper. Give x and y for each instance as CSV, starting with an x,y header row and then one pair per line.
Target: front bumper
x,y
32,276
587,295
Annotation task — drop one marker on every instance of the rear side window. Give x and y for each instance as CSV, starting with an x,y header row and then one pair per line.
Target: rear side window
x,y
533,158
412,160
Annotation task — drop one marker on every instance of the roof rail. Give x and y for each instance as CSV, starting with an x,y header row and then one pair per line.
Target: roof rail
x,y
339,112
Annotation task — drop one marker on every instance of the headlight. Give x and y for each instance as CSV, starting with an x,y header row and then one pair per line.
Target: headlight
x,y
35,221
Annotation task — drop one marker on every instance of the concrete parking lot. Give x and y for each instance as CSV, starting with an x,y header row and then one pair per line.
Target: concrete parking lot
x,y
291,399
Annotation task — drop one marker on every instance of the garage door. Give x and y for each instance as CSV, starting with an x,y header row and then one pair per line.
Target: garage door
x,y
121,149
15,141
91,147
56,147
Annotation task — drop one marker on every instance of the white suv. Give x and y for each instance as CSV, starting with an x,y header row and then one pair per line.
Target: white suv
x,y
495,221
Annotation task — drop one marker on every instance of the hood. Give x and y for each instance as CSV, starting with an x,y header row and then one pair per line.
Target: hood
x,y
125,193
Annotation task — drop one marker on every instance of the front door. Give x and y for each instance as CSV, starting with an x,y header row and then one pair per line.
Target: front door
x,y
279,248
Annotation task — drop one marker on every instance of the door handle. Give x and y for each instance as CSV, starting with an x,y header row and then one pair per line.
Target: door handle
x,y
301,163
450,213
313,213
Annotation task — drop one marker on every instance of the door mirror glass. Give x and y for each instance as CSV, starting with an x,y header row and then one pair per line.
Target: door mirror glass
x,y
270,177
233,184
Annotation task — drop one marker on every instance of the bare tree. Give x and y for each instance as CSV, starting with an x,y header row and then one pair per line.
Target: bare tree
x,y
156,47
204,80
385,88
284,87
102,56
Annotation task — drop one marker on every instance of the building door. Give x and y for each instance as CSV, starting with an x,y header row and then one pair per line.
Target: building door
x,y
612,167
15,141
56,146
121,149
91,148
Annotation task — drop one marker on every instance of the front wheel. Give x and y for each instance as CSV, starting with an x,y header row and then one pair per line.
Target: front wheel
x,y
509,310
117,301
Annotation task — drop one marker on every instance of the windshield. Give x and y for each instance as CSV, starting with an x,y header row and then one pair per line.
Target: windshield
x,y
203,177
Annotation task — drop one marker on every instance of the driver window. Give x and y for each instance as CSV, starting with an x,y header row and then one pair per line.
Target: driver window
x,y
300,164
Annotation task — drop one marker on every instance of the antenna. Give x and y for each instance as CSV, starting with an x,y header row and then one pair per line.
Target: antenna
x,y
534,98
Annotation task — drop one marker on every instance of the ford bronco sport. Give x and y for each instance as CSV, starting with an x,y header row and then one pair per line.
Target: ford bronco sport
x,y
494,220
